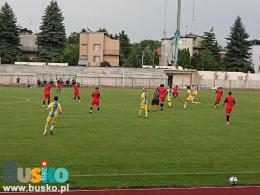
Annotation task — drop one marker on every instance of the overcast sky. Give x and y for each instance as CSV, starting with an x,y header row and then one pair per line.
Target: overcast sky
x,y
144,19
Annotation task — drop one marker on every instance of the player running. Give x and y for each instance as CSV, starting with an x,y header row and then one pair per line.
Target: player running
x,y
144,104
219,94
76,92
47,94
230,102
189,97
58,86
169,96
162,91
194,90
95,100
55,111
175,92
156,101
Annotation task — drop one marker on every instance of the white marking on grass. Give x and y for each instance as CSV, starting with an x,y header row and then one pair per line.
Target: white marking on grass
x,y
254,101
23,100
161,174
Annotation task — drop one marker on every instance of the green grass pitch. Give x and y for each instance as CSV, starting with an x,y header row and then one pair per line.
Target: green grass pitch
x,y
115,148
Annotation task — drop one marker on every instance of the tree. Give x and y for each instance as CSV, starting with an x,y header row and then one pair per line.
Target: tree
x,y
196,61
148,56
153,45
111,36
135,57
52,37
208,61
210,42
184,59
237,57
124,47
105,64
71,53
9,35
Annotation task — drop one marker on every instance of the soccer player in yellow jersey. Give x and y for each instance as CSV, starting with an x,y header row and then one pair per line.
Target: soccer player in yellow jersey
x,y
54,109
190,97
169,96
144,104
194,92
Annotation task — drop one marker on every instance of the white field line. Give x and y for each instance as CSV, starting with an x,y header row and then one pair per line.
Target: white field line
x,y
22,100
161,174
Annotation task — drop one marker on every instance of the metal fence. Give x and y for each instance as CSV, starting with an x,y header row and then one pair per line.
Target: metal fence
x,y
113,81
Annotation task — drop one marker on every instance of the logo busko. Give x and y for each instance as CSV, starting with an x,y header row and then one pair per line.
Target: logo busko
x,y
43,174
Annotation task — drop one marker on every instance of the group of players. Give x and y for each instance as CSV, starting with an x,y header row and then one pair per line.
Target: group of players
x,y
54,108
161,93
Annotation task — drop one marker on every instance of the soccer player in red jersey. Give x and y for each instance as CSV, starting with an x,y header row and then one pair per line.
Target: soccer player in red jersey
x,y
162,92
47,94
219,94
175,92
58,86
230,102
76,92
95,100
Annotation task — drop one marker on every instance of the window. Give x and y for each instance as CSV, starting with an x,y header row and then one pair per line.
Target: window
x,y
96,59
258,68
97,47
84,57
84,45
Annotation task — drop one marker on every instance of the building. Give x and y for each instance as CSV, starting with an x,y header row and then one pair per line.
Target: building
x,y
191,42
28,44
96,47
255,58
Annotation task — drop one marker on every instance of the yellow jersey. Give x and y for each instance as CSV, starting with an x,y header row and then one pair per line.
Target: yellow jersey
x,y
144,99
189,95
55,109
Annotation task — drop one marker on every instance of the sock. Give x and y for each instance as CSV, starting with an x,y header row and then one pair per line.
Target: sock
x,y
185,105
49,101
146,113
74,98
78,98
43,103
98,109
52,127
161,107
140,113
228,118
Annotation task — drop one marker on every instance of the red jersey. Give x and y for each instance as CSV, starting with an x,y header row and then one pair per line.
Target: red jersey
x,y
162,91
175,90
95,95
219,92
230,102
76,90
58,85
47,89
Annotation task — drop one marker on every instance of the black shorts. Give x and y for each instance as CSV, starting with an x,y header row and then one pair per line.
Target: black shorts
x,y
155,102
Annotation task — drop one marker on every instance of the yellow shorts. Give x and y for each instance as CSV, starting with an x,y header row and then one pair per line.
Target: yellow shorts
x,y
169,99
52,120
144,107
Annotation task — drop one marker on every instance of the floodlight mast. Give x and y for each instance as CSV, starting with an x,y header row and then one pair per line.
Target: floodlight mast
x,y
173,53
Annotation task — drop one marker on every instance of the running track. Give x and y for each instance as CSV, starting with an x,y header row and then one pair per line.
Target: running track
x,y
164,191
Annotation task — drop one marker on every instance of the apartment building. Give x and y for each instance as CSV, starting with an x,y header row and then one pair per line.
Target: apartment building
x,y
96,47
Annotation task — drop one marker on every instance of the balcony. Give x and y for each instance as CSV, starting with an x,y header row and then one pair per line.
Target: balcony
x,y
111,52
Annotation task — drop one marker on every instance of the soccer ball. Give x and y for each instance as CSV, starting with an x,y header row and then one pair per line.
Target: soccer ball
x,y
233,180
